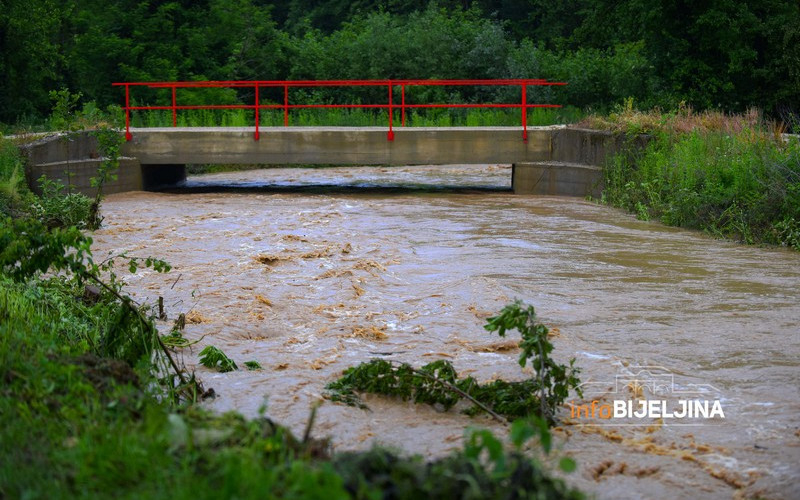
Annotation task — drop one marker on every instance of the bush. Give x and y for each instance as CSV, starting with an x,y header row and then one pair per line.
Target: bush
x,y
738,182
58,209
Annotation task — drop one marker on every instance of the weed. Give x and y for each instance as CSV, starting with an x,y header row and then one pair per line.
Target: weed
x,y
555,380
252,365
213,357
729,176
58,209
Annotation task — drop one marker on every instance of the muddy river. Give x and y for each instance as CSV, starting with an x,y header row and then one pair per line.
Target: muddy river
x,y
308,282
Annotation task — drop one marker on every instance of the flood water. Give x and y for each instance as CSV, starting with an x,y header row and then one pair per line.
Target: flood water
x,y
308,283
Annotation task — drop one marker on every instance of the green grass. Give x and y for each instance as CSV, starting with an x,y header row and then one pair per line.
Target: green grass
x,y
356,118
732,180
14,193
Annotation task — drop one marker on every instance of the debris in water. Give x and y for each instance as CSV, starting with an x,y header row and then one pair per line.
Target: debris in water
x,y
334,273
264,300
609,468
369,266
195,318
271,260
371,332
479,314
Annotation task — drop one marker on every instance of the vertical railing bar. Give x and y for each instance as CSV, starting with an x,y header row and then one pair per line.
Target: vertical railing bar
x,y
403,105
390,135
174,106
257,135
285,105
128,135
524,113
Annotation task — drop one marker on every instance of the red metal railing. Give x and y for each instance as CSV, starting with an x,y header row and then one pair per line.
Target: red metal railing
x,y
390,105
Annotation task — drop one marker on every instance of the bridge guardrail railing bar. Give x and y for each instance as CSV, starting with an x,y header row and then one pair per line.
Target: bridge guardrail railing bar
x,y
390,105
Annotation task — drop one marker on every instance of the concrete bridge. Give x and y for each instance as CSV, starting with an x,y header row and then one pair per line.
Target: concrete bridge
x,y
552,161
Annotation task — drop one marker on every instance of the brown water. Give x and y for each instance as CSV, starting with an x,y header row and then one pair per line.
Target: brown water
x,y
308,284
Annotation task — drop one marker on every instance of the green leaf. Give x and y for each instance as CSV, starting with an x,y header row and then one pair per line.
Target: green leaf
x,y
252,365
212,357
567,464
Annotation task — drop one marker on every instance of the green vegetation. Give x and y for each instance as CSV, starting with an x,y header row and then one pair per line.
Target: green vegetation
x,y
358,118
213,357
733,176
713,55
437,383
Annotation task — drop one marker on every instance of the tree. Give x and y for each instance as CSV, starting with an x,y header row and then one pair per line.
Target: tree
x,y
31,63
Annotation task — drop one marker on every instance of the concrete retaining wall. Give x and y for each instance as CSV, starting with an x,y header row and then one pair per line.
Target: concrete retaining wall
x,y
575,166
74,159
557,179
76,175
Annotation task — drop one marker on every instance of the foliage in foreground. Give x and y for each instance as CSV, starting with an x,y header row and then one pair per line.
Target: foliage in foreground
x,y
83,413
437,383
732,178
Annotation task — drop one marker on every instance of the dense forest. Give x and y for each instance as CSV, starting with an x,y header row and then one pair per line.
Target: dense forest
x,y
717,54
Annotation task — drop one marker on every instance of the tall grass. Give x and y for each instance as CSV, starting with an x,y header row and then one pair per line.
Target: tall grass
x,y
13,187
729,175
356,118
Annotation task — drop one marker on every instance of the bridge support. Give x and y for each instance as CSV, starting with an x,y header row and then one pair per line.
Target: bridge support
x,y
73,160
557,179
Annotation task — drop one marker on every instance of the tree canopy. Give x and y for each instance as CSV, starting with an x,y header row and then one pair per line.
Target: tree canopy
x,y
722,54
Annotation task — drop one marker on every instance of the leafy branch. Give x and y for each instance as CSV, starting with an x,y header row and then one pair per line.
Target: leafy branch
x,y
437,383
554,380
213,357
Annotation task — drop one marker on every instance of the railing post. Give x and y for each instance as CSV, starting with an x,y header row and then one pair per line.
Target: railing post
x,y
174,108
257,135
524,113
285,105
403,105
390,135
128,135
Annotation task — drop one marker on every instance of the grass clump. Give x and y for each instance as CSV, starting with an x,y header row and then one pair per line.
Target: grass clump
x,y
441,117
628,119
731,176
15,197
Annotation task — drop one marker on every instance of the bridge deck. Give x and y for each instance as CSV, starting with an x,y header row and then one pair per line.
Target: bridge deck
x,y
340,145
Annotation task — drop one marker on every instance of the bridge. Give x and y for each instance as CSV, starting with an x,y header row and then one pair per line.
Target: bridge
x,y
547,160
